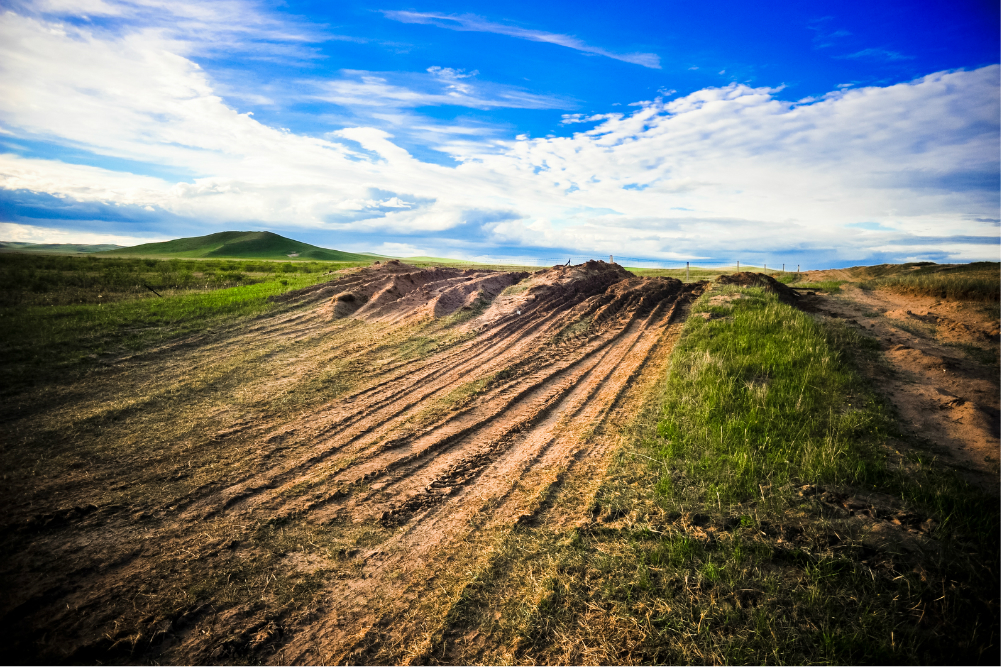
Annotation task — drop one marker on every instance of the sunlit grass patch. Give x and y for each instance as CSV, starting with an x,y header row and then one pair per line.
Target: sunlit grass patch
x,y
977,281
766,395
830,286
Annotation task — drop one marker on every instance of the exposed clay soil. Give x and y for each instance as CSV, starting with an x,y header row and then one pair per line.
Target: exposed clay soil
x,y
205,503
944,397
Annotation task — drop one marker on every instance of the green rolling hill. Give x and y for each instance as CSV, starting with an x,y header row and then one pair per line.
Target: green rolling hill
x,y
240,245
56,248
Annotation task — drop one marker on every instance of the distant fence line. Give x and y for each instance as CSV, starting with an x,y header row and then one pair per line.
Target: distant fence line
x,y
648,263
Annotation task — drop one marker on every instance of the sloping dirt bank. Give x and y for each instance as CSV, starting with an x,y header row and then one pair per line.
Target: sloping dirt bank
x,y
320,486
941,379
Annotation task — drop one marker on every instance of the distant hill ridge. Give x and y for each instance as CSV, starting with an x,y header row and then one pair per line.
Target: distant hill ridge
x,y
240,245
55,248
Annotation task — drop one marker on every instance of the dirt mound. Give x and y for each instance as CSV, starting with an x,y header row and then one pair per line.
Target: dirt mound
x,y
394,291
750,279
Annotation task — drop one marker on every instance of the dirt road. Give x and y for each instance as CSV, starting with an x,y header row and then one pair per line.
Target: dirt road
x,y
320,486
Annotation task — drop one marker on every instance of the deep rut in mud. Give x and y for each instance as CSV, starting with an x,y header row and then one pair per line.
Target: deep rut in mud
x,y
472,398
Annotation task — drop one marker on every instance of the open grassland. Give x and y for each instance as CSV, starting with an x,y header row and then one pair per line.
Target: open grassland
x,y
698,273
56,248
59,314
54,280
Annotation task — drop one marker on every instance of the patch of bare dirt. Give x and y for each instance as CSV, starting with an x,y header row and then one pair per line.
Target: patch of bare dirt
x,y
393,291
948,398
318,486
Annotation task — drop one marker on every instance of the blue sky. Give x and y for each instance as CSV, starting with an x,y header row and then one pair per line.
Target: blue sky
x,y
818,133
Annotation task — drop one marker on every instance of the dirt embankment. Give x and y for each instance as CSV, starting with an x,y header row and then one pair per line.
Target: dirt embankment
x,y
220,527
394,291
941,377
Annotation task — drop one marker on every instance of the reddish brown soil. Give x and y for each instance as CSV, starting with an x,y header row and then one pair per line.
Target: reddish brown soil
x,y
946,398
204,503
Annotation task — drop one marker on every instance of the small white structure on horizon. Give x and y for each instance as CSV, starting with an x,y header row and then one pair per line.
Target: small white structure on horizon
x,y
293,254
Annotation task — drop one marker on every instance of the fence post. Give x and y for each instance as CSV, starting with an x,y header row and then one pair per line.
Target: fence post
x,y
687,274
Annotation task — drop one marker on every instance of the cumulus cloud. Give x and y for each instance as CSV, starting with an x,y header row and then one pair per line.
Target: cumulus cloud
x,y
472,23
720,171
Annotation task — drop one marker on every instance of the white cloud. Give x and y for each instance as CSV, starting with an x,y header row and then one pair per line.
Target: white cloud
x,y
471,23
721,170
571,118
13,232
877,54
439,87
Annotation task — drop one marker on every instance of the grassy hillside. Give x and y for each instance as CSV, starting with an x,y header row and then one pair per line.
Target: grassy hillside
x,y
242,245
977,281
56,248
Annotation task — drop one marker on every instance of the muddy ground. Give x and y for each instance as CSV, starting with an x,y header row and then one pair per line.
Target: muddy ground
x,y
322,484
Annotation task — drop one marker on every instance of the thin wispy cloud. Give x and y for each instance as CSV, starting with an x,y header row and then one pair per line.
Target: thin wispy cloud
x,y
222,27
472,23
877,54
439,86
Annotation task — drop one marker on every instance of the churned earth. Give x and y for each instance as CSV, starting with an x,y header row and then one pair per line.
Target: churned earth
x,y
319,485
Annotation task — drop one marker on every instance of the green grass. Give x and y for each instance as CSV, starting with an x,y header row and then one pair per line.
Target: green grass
x,y
695,273
52,280
38,340
829,286
247,245
977,281
740,393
